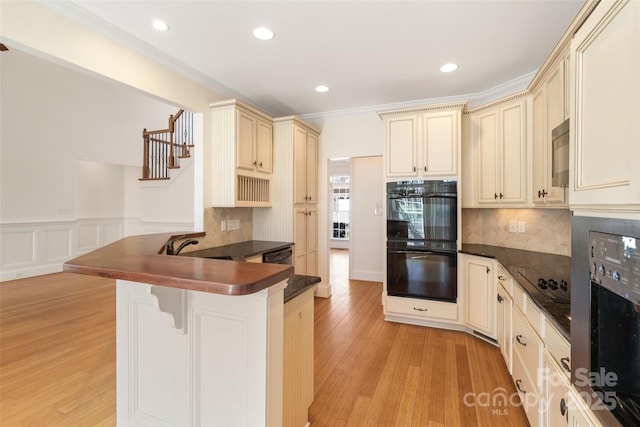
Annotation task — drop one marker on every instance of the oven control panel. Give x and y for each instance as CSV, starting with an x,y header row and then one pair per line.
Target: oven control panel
x,y
615,264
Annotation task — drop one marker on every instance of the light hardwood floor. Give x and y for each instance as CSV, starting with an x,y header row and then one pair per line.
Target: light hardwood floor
x,y
57,360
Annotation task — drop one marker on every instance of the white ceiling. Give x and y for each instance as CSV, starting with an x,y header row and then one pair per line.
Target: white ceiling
x,y
369,53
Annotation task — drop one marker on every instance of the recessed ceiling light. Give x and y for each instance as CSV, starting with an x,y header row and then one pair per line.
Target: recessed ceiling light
x,y
322,88
160,25
447,68
263,33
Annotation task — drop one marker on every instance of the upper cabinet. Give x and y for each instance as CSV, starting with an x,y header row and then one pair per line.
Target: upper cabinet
x,y
255,142
423,142
605,129
239,159
305,166
498,147
549,111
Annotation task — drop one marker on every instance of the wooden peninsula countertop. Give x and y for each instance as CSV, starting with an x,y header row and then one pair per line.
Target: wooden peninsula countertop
x,y
141,259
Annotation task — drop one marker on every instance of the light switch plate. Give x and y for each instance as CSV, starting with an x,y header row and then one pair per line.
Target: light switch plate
x,y
233,224
513,226
520,226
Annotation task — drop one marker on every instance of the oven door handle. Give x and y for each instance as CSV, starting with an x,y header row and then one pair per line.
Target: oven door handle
x,y
421,252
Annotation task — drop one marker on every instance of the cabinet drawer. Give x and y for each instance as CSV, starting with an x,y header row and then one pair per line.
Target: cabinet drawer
x,y
422,308
529,395
535,317
558,348
527,344
518,297
505,279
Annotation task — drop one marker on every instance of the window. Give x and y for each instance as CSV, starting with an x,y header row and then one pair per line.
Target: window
x,y
340,208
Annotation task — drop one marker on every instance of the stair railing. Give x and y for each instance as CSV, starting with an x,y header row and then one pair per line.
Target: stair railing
x,y
164,148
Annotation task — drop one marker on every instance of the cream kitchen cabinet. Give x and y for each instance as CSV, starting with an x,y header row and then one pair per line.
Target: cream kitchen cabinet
x,y
305,239
605,57
499,144
505,315
480,294
305,166
548,112
255,142
423,142
298,360
238,162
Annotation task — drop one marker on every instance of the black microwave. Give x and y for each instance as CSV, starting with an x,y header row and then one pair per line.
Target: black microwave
x,y
560,155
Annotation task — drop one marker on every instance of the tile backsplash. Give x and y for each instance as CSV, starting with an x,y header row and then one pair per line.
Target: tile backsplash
x,y
546,230
215,236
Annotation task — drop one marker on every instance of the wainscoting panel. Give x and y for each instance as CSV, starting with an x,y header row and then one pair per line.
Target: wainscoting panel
x,y
33,248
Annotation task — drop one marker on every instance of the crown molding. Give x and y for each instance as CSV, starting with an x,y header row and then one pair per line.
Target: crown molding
x,y
425,109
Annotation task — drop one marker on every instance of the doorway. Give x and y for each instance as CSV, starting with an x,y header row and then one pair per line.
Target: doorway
x,y
355,238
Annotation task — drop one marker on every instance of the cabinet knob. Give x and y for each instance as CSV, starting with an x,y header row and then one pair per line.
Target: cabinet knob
x,y
255,163
500,298
260,164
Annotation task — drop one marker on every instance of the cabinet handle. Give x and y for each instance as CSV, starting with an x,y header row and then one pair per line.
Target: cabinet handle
x,y
255,163
500,298
563,407
414,168
420,309
425,168
542,193
565,364
519,339
488,270
260,164
502,278
495,196
519,388
501,195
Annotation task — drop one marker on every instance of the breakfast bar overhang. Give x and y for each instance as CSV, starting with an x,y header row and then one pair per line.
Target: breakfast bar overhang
x,y
199,341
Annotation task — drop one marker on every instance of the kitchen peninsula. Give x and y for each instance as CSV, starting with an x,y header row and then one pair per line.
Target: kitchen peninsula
x,y
199,341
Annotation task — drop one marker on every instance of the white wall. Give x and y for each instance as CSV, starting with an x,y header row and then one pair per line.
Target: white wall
x,y
357,135
367,243
70,156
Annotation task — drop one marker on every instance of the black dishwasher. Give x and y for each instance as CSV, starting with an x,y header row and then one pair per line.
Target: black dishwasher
x,y
281,256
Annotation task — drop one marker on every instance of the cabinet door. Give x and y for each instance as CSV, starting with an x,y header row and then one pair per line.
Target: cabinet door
x,y
606,129
555,395
264,147
555,116
312,168
300,240
503,334
480,295
513,153
539,161
312,241
486,131
246,138
299,165
402,146
440,144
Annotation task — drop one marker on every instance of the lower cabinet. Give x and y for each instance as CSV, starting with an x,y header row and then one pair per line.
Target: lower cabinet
x,y
556,394
420,309
504,325
298,360
578,415
480,294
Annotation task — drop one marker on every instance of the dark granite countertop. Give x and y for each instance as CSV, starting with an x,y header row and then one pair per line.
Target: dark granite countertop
x,y
239,251
518,261
298,283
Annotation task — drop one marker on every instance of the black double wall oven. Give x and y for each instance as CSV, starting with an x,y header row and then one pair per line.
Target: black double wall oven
x,y
422,240
605,317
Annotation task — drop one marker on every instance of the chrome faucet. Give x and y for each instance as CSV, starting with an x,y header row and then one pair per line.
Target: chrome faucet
x,y
172,251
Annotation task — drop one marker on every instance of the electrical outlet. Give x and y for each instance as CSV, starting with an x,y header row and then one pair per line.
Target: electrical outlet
x,y
520,226
223,225
64,211
513,226
233,224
